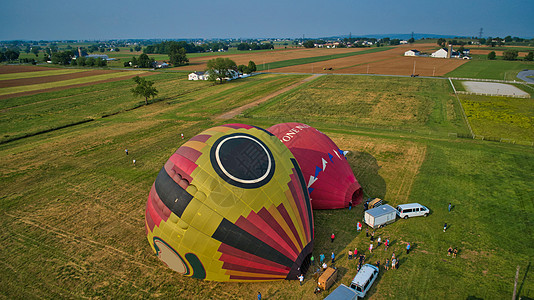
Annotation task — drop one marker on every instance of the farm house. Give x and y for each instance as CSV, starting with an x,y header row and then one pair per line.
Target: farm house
x,y
204,75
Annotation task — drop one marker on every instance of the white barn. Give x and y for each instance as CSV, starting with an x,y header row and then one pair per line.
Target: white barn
x,y
441,53
412,52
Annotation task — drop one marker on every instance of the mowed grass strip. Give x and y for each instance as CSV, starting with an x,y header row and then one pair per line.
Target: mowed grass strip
x,y
23,75
88,79
36,113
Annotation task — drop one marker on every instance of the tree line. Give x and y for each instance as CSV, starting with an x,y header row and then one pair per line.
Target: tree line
x,y
254,46
167,46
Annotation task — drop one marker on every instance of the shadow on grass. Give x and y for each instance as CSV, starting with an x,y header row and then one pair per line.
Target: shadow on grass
x,y
365,167
523,283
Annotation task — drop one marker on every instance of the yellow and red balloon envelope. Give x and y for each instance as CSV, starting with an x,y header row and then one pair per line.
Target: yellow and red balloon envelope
x,y
231,204
329,177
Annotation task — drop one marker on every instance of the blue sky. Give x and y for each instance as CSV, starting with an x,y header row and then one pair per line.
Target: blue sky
x,y
167,19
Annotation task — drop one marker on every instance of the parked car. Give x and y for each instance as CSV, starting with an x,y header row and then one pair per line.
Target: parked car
x,y
409,210
363,281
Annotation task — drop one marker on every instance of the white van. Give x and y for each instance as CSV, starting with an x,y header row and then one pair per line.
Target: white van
x,y
364,279
406,211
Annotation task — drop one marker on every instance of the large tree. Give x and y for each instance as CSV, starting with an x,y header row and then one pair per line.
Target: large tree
x,y
177,55
308,44
144,88
145,61
510,55
251,66
220,68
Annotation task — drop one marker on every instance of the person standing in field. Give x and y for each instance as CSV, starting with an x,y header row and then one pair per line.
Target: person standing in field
x,y
126,151
450,206
350,254
321,258
333,257
359,226
379,240
332,237
408,248
386,265
371,248
301,279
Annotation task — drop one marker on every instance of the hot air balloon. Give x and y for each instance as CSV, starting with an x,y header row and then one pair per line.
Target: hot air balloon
x,y
231,204
329,177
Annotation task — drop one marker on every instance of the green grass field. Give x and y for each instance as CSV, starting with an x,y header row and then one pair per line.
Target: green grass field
x,y
365,101
72,203
500,117
491,69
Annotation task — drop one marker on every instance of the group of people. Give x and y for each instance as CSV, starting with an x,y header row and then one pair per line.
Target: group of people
x,y
452,252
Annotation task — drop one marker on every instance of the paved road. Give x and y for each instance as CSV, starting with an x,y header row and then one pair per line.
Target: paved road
x,y
523,75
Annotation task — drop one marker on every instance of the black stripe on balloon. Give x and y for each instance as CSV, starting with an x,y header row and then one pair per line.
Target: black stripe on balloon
x,y
171,194
232,235
198,269
306,195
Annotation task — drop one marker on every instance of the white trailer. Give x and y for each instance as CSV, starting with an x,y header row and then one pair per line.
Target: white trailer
x,y
342,292
380,216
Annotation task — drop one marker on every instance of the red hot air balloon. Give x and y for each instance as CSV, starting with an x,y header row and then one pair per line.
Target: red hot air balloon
x,y
231,204
329,177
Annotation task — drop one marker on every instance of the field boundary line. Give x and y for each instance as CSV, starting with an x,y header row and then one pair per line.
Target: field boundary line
x,y
87,241
461,107
493,95
236,111
489,80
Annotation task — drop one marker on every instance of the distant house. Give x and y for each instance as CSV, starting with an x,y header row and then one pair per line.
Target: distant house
x,y
160,64
100,56
205,75
412,52
197,76
441,53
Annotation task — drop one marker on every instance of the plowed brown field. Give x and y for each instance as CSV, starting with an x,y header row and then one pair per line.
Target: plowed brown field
x,y
498,53
50,78
390,62
8,69
199,63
